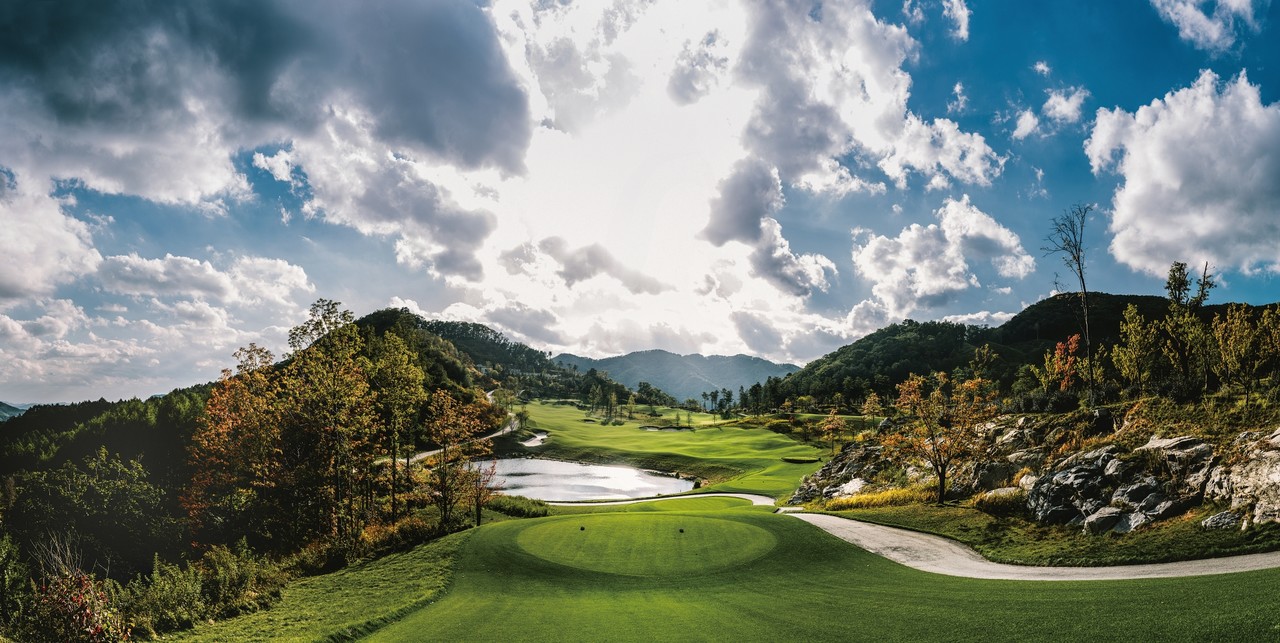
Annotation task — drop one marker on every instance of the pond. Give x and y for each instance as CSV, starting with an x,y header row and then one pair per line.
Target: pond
x,y
560,481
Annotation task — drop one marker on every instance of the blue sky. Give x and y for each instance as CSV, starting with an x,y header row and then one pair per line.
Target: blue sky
x,y
767,177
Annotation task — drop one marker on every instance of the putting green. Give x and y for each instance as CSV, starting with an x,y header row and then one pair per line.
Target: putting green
x,y
628,544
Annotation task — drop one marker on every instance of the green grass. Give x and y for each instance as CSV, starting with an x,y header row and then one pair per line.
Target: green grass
x,y
346,603
535,580
1022,542
731,458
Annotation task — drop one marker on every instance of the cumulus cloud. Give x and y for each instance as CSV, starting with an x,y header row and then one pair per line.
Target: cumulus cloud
x,y
1064,105
959,14
1198,170
980,318
1214,31
278,165
1027,124
927,266
1041,67
42,246
697,69
250,280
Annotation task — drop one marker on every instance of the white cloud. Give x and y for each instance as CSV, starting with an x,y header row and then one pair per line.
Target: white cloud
x,y
927,266
41,245
249,280
959,100
981,318
1027,124
1215,31
959,13
912,11
1199,169
1041,67
1064,105
279,165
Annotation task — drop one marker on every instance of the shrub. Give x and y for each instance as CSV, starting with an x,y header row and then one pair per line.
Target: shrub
x,y
236,582
886,498
72,606
518,506
170,599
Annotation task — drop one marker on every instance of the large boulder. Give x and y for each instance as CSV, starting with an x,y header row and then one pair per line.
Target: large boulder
x,y
1189,461
1252,484
845,474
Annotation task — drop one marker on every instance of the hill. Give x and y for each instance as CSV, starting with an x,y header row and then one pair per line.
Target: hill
x,y
8,411
682,376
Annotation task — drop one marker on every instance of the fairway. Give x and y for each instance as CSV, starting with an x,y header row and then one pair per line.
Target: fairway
x,y
528,581
731,458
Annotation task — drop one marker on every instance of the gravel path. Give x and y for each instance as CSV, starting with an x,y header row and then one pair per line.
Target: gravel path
x,y
939,555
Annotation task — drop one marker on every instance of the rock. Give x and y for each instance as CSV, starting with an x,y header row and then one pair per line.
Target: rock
x,y
1189,460
992,475
1255,483
1097,458
1103,423
1129,522
1028,481
843,475
1131,495
1027,458
1170,508
1222,520
1103,520
1118,470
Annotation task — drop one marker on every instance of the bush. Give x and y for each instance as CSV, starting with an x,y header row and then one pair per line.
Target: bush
x,y
890,497
237,582
170,599
518,506
72,606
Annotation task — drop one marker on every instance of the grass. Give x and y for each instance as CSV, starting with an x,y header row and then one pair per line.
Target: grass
x,y
547,580
347,603
729,457
1022,542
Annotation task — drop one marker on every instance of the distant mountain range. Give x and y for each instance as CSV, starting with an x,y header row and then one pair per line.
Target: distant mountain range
x,y
8,410
682,376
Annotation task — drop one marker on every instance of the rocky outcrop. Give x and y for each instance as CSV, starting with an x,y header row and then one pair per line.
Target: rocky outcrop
x,y
1251,486
846,474
1105,490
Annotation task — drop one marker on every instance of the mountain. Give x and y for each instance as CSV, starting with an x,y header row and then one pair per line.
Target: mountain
x,y
8,410
682,376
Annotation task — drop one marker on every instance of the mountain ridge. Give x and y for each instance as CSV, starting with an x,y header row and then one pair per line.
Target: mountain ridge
x,y
682,376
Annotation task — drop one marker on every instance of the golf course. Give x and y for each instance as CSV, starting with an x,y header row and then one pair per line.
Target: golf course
x,y
720,568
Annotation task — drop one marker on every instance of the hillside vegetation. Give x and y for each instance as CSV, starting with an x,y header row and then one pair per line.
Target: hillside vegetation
x,y
685,377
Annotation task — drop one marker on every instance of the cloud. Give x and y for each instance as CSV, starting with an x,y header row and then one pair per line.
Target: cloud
x,y
42,246
1027,124
927,266
959,13
697,69
1064,105
250,280
1041,67
959,101
279,165
1213,32
581,264
980,318
1199,172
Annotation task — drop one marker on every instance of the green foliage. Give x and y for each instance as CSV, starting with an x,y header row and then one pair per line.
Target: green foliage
x,y
1001,504
15,583
71,606
518,506
171,598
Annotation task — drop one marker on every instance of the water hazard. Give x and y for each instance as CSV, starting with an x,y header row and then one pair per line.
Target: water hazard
x,y
556,480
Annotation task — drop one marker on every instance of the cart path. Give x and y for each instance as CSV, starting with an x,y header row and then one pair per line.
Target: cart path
x,y
939,555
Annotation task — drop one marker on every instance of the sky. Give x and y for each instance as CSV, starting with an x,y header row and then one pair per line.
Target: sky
x,y
769,177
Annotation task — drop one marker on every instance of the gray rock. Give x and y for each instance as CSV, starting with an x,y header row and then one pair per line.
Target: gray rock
x,y
1118,470
1130,521
1170,508
1222,520
992,475
1131,495
1103,520
1029,458
1190,461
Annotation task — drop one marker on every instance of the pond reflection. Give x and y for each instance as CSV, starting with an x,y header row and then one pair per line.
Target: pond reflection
x,y
556,480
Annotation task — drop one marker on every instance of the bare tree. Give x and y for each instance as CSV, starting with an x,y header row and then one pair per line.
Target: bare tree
x,y
1067,239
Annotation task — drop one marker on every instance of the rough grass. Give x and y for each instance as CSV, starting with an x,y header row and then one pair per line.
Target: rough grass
x,y
1022,542
728,457
886,498
348,603
810,586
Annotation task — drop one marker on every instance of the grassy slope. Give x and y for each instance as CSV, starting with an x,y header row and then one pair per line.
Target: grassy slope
x,y
732,458
350,601
809,586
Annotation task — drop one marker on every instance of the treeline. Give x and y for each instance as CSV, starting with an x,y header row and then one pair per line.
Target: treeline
x,y
201,503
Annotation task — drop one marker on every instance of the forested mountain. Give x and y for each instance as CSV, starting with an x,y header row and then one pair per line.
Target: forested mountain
x,y
682,376
8,410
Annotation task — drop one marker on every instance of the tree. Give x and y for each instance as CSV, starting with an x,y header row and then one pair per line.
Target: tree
x,y
397,383
1134,357
1186,342
1240,348
872,406
451,426
1067,239
480,486
833,426
941,428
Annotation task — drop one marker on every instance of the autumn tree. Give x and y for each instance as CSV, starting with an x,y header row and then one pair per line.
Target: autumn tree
x,y
1186,341
481,485
941,423
833,426
1061,369
872,406
452,427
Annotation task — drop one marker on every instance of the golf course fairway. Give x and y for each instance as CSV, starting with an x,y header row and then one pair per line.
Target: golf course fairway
x,y
744,574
